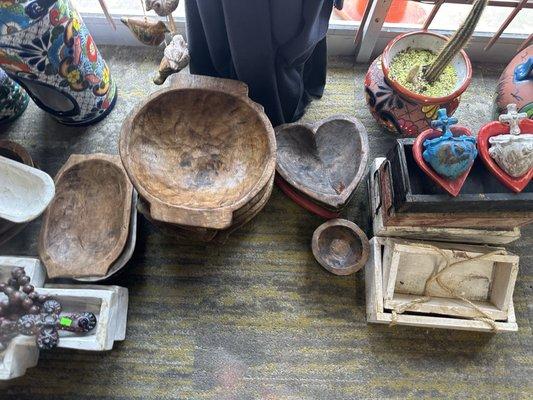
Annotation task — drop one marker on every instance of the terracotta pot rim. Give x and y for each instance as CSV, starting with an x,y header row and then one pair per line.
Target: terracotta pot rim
x,y
418,97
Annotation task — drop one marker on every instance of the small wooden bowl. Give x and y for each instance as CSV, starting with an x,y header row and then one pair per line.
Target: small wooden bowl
x,y
86,226
198,151
340,246
15,152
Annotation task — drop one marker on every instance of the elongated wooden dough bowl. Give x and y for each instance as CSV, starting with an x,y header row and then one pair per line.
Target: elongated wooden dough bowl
x,y
198,151
15,152
26,192
86,226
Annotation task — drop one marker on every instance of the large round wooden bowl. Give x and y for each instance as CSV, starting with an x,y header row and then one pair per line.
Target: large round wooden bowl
x,y
198,150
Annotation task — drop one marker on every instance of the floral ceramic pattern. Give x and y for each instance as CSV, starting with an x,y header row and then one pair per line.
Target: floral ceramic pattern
x,y
396,113
13,99
510,90
46,47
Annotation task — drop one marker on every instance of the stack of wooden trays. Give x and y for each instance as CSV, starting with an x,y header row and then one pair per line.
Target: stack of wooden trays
x,y
406,203
202,157
89,229
30,190
320,165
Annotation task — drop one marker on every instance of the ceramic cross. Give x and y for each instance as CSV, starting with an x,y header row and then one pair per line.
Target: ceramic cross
x,y
513,118
443,122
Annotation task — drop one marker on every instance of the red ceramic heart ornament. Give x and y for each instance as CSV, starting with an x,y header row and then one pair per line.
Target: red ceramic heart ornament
x,y
453,187
494,129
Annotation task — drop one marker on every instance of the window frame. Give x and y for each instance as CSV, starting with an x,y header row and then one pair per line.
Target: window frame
x,y
341,35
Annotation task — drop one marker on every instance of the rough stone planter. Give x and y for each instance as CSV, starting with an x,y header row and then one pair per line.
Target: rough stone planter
x,y
397,108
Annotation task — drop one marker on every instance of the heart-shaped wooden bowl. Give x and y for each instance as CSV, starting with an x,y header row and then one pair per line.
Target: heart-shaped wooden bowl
x,y
496,128
86,226
340,246
198,151
304,201
453,187
325,160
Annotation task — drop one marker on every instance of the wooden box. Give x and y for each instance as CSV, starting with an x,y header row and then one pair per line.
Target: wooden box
x,y
382,227
377,313
414,191
477,218
488,283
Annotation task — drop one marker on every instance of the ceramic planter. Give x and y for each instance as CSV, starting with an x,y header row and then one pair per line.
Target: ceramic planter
x,y
46,48
400,110
516,84
13,99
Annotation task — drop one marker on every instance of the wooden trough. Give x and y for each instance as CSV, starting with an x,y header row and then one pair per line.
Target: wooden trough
x,y
86,227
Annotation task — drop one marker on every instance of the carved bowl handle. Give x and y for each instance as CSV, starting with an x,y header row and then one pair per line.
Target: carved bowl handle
x,y
211,219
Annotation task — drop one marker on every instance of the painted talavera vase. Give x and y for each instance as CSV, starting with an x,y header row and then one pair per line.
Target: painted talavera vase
x,y
13,99
398,109
516,85
47,49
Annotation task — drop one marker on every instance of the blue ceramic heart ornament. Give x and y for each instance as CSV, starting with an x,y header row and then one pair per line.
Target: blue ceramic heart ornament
x,y
450,156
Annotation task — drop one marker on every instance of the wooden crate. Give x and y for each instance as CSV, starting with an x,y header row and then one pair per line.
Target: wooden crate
x,y
474,219
489,283
384,228
376,312
414,191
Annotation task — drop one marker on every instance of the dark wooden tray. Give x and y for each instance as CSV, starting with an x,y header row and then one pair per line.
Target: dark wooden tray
x,y
415,192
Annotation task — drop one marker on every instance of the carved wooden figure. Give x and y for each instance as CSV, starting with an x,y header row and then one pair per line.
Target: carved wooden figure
x,y
86,227
162,8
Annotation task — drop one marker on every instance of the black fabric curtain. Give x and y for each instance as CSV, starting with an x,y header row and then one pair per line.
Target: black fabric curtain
x,y
277,47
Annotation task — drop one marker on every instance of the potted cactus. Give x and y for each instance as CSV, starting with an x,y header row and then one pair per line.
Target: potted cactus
x,y
419,73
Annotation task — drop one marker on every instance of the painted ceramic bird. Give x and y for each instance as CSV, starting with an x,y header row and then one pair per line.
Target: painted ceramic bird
x,y
151,33
162,7
176,57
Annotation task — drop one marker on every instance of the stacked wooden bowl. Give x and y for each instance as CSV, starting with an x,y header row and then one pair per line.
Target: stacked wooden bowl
x,y
202,156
